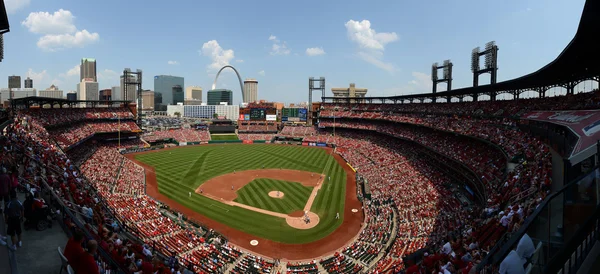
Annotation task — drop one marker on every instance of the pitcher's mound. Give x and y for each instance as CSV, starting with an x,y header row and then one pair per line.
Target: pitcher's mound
x,y
276,194
300,222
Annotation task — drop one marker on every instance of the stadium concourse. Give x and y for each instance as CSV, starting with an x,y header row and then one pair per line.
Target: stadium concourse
x,y
417,218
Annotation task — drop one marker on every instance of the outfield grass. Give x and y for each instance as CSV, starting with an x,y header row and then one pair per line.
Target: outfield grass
x,y
182,170
255,194
224,137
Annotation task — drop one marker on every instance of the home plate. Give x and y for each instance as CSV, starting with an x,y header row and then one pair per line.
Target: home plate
x,y
254,242
354,210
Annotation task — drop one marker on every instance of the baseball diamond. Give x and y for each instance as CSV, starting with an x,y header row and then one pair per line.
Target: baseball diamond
x,y
230,184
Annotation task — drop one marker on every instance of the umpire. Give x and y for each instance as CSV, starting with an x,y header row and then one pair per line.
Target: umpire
x,y
13,214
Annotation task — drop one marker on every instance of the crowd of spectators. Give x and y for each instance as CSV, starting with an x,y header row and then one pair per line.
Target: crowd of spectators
x,y
179,135
255,137
109,194
298,131
250,127
415,207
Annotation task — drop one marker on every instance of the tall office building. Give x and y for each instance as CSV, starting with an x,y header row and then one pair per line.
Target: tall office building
x,y
14,81
87,69
28,83
193,92
217,96
250,90
147,100
164,84
178,95
131,89
88,90
115,93
158,104
52,92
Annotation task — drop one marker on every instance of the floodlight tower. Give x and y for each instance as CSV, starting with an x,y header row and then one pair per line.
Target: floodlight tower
x,y
491,62
314,85
133,80
447,75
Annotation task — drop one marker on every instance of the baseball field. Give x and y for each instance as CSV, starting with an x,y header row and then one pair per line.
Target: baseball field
x,y
255,188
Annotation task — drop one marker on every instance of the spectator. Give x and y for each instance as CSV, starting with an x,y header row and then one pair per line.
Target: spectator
x,y
13,214
73,248
4,186
85,262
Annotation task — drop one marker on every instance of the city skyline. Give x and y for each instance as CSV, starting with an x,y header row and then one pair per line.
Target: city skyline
x,y
387,48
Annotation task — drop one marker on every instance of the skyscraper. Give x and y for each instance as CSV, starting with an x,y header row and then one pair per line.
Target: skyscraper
x,y
28,83
163,84
14,81
178,95
88,90
115,93
87,69
250,90
217,96
193,92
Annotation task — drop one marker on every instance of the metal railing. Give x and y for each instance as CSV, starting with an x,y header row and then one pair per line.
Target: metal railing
x,y
555,225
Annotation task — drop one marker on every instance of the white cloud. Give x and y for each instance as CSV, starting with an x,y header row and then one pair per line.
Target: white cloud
x,y
65,41
362,34
314,51
58,30
173,63
71,72
239,61
13,6
219,56
108,74
371,44
261,73
376,60
59,22
278,47
420,83
38,77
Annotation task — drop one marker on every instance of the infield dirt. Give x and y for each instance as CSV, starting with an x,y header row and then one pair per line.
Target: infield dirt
x,y
343,235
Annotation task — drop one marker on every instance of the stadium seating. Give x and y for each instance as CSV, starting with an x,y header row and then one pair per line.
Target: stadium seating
x,y
415,207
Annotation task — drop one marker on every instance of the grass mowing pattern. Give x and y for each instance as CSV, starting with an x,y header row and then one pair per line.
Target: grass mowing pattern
x,y
223,137
256,194
182,170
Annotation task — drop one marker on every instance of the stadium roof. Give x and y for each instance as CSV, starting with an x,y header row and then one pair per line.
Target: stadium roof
x,y
580,59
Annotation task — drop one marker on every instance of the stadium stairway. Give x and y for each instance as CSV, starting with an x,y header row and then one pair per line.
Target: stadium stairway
x,y
591,264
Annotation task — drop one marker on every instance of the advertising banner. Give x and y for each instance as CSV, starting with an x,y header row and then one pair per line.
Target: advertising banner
x,y
321,144
247,142
584,123
271,117
241,117
246,117
305,143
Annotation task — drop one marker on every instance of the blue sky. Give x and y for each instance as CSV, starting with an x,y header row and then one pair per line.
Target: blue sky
x,y
385,46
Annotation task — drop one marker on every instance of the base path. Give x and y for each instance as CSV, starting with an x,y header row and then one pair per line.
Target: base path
x,y
281,174
342,236
225,187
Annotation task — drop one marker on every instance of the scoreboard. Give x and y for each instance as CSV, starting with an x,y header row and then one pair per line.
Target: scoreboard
x,y
294,115
258,114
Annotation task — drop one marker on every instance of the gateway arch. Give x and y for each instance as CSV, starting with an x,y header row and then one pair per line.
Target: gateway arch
x,y
239,78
